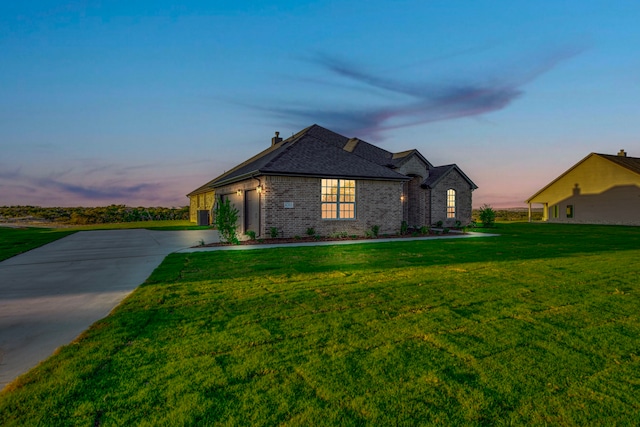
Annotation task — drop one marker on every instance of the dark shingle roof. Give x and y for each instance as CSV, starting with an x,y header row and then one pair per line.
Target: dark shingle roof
x,y
315,151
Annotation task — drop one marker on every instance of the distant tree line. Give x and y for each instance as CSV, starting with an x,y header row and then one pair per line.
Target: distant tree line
x,y
96,215
123,213
511,214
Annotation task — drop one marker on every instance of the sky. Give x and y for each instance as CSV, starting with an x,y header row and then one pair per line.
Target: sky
x,y
140,102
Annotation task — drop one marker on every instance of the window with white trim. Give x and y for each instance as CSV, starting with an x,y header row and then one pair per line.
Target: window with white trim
x,y
451,203
338,199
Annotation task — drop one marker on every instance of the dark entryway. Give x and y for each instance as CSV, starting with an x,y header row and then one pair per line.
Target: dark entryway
x,y
252,211
416,214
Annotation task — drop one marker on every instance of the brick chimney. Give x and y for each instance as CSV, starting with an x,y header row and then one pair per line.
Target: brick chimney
x,y
276,139
622,153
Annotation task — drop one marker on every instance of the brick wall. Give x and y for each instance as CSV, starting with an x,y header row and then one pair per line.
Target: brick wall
x,y
463,200
414,166
377,203
417,203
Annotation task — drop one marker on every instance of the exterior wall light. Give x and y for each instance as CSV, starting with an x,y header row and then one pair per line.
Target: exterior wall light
x,y
402,198
239,193
259,189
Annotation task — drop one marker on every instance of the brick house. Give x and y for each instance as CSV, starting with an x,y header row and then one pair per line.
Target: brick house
x,y
599,189
322,180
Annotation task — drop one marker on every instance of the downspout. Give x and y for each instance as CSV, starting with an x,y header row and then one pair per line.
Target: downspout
x,y
529,212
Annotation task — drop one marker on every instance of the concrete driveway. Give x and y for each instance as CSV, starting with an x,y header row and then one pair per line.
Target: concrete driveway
x,y
49,295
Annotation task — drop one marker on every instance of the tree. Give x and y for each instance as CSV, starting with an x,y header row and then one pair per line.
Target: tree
x,y
226,221
487,215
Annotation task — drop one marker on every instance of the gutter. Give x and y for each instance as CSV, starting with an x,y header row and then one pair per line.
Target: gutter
x,y
254,174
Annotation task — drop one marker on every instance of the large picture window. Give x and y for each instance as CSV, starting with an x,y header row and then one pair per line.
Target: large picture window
x,y
338,199
451,203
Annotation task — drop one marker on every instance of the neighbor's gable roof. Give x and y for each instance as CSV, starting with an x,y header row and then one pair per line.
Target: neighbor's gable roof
x,y
437,173
630,163
316,151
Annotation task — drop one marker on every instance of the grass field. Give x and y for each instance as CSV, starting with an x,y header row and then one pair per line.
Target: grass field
x,y
14,241
537,327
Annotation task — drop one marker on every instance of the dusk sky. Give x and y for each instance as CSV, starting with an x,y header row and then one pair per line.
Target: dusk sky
x,y
140,102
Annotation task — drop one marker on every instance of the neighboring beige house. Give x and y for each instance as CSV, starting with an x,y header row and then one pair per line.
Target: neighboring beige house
x,y
201,202
322,180
599,189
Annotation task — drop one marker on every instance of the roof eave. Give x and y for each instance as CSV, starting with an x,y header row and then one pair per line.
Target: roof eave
x,y
237,178
254,174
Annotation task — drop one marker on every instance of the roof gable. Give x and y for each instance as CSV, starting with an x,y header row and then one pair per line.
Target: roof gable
x,y
437,173
630,163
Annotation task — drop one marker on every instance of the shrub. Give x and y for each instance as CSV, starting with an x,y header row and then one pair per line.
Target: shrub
x,y
439,224
487,215
424,230
311,231
375,229
445,230
273,232
404,228
251,234
226,221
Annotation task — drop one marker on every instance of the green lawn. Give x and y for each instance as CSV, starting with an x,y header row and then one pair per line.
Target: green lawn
x,y
538,327
14,241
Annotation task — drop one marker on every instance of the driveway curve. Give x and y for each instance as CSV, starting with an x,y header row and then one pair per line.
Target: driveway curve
x,y
49,295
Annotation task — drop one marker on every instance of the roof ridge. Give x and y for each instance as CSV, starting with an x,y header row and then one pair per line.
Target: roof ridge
x,y
617,156
355,154
291,140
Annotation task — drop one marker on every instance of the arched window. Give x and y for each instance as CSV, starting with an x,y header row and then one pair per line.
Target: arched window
x,y
451,203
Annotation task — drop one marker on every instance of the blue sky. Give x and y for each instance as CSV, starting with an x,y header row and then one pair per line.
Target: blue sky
x,y
141,102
